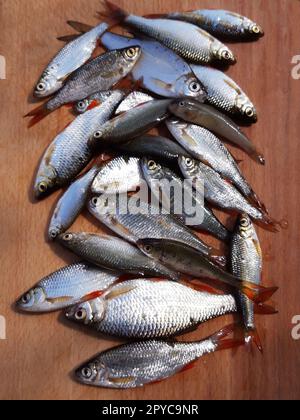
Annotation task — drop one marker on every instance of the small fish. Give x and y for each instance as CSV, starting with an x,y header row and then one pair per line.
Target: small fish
x,y
205,146
134,99
71,203
161,178
83,105
187,40
146,309
161,148
225,94
114,254
221,193
220,23
208,117
131,124
69,152
246,263
101,73
120,175
70,58
137,364
144,221
66,287
160,70
187,260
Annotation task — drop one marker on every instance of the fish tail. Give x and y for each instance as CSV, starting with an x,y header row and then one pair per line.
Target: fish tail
x,y
252,337
271,224
37,115
113,13
68,38
255,292
221,340
257,202
263,309
79,26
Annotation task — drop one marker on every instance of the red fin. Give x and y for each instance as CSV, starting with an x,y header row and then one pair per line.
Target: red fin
x,y
262,309
256,293
202,287
113,13
188,366
91,296
68,38
228,343
252,336
93,104
37,115
79,26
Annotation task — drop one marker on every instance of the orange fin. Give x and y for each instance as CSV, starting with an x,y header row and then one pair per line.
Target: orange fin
x,y
68,38
79,26
223,343
263,309
113,13
92,296
37,114
93,104
113,294
256,293
202,287
59,299
251,336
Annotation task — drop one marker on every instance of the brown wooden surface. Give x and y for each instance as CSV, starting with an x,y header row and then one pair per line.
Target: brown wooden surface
x,y
40,351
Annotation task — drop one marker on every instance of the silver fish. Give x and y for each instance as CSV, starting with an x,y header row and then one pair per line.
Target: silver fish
x,y
132,100
83,105
187,40
147,221
66,287
221,23
70,58
146,309
224,93
136,364
114,254
221,193
205,146
120,175
69,152
156,175
159,69
71,203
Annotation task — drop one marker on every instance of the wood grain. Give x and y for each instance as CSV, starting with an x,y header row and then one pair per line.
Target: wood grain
x,y
41,351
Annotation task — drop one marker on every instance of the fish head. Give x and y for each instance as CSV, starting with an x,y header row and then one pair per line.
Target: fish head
x,y
151,169
45,180
103,207
92,372
183,107
81,106
246,108
191,86
187,165
87,313
245,227
47,85
72,240
100,135
223,53
55,229
151,247
35,300
131,55
255,29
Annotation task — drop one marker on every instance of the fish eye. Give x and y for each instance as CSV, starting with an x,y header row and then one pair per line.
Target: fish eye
x,y
67,237
226,55
249,112
181,104
189,162
98,134
86,372
43,187
195,87
53,233
81,104
41,87
244,223
95,201
255,29
131,52
148,249
152,165
80,314
26,298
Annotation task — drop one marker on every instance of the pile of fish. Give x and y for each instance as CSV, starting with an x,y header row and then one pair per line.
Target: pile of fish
x,y
153,278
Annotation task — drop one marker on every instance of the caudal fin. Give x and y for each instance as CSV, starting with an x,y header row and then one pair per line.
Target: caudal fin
x,y
263,309
223,343
257,293
37,115
252,337
112,13
79,26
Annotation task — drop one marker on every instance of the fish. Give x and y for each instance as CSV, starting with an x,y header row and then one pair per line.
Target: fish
x,y
225,94
246,262
161,148
223,194
132,100
113,254
101,73
208,117
69,152
70,58
143,221
66,287
157,175
71,203
202,144
83,105
119,175
146,309
131,124
187,40
160,70
220,23
136,364
188,261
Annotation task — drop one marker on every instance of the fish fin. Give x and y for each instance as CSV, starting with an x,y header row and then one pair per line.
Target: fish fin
x,y
270,224
155,15
200,287
113,13
251,336
68,38
189,366
257,293
92,296
121,381
223,343
59,299
79,26
119,292
162,84
93,104
263,309
37,114
218,257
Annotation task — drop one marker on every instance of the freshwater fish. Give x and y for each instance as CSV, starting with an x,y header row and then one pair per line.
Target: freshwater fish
x,y
70,58
114,254
101,73
146,309
159,69
69,152
140,363
83,105
71,203
208,117
187,40
66,287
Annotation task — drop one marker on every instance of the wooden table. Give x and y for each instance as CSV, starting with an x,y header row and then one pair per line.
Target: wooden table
x,y
40,351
